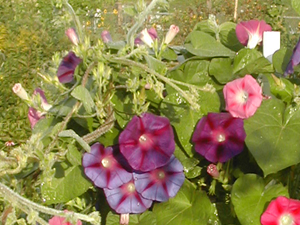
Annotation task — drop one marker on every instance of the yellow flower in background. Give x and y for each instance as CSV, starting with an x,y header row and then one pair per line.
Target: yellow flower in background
x,y
115,11
88,23
105,11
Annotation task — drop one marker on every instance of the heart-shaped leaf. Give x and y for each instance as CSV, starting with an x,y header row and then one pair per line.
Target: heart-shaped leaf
x,y
189,206
250,195
273,136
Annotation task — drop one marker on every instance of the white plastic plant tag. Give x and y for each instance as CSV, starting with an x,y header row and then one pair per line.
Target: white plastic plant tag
x,y
271,43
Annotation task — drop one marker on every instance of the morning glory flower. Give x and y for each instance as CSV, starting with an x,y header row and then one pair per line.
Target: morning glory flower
x,y
126,199
250,33
102,166
294,61
147,142
282,211
57,220
173,31
65,72
162,183
218,137
242,96
45,105
34,116
146,37
72,35
106,37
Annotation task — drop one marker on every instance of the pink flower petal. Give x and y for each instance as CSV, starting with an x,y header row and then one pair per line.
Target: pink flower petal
x,y
242,97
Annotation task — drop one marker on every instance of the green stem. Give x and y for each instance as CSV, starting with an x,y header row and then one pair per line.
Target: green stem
x,y
23,203
76,20
159,76
139,22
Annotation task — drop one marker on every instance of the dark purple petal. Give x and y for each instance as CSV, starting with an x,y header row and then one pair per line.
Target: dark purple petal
x,y
102,167
294,61
147,142
67,67
162,183
219,137
126,199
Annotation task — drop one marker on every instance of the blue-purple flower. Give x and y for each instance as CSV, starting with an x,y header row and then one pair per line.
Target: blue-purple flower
x,y
102,166
126,199
294,61
147,142
65,72
219,137
162,183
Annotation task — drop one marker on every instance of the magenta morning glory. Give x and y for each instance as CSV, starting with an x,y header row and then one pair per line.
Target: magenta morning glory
x,y
102,167
147,142
65,72
126,199
162,183
219,137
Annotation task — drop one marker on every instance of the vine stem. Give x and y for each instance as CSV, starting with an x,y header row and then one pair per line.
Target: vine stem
x,y
26,205
159,76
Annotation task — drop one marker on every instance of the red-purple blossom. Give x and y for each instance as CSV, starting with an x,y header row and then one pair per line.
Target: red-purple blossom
x,y
219,137
57,220
65,72
126,199
147,142
146,37
242,96
213,171
102,167
250,33
162,183
282,211
34,116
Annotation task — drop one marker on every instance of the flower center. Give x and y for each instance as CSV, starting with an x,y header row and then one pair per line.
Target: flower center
x,y
286,219
130,188
105,162
253,41
143,138
161,175
221,137
242,97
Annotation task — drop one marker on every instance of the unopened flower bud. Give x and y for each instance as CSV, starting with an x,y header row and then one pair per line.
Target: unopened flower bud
x,y
213,171
46,106
173,31
146,38
71,33
20,91
106,37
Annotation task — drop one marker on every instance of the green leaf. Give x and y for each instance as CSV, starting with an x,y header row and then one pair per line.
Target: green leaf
x,y
156,64
73,155
189,206
296,6
205,46
250,196
228,36
110,138
272,128
281,59
249,61
221,69
281,88
146,218
169,54
71,133
65,186
83,95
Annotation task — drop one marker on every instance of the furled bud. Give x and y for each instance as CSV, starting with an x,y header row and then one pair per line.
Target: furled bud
x,y
173,31
20,91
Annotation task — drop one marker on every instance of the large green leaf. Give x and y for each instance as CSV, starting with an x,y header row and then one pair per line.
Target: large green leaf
x,y
250,195
251,61
205,46
273,136
228,36
189,206
83,95
147,218
66,185
281,59
221,69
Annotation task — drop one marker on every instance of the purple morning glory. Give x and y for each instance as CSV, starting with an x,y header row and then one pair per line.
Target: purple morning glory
x,y
103,168
65,72
126,199
219,137
294,61
162,183
147,142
